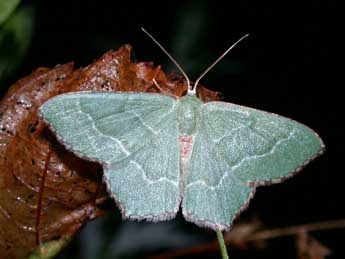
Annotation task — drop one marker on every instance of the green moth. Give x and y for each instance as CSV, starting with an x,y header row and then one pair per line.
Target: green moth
x,y
160,153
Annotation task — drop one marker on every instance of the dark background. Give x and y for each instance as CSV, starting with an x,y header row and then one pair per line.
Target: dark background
x,y
288,66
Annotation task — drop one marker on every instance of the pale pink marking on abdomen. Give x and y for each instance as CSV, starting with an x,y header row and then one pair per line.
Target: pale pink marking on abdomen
x,y
186,145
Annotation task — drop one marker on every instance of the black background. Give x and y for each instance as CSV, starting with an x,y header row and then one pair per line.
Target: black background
x,y
288,65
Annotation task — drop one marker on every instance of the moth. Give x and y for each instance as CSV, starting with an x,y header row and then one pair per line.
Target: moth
x,y
160,153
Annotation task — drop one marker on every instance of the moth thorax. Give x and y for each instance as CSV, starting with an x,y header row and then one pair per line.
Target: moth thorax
x,y
188,114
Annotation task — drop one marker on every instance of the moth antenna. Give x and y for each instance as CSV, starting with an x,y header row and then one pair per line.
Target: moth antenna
x,y
215,62
157,85
190,90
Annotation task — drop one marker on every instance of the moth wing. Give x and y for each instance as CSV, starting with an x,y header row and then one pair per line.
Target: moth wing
x,y
236,149
134,136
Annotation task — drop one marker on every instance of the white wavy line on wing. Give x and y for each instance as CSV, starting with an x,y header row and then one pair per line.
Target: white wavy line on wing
x,y
228,172
161,179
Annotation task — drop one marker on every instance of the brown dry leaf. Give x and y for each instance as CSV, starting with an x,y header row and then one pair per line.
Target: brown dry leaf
x,y
38,205
309,248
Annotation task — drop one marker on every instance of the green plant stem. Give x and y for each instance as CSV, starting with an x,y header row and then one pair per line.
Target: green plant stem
x,y
222,245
